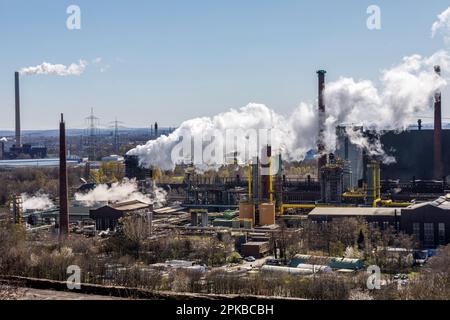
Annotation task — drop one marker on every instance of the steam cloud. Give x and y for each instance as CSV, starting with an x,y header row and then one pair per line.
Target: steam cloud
x,y
38,202
296,134
442,25
121,192
403,92
75,69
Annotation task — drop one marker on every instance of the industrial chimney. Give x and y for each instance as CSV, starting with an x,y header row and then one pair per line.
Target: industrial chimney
x,y
266,188
63,184
438,164
322,160
17,91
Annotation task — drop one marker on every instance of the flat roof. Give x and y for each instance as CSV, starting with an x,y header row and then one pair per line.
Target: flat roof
x,y
256,243
441,203
130,205
166,210
355,211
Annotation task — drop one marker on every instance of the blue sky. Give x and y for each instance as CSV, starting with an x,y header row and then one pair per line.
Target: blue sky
x,y
170,61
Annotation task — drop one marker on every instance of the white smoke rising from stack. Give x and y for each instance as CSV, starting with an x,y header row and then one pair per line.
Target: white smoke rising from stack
x,y
38,202
295,134
74,69
121,192
403,92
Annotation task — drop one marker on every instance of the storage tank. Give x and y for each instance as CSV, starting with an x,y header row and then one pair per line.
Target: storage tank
x,y
247,211
266,214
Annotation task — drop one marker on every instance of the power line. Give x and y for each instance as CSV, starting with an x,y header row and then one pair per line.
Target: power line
x,y
92,129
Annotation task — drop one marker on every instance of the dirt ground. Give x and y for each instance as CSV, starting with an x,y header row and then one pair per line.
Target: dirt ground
x,y
38,294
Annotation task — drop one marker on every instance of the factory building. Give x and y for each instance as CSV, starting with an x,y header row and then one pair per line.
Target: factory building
x,y
107,217
413,152
418,152
429,221
384,217
255,249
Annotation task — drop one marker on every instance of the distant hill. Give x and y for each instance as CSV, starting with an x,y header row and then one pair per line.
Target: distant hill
x,y
76,132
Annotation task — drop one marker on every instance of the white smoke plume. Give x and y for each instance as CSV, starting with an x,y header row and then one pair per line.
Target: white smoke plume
x,y
38,202
295,136
127,190
402,92
442,25
405,91
74,69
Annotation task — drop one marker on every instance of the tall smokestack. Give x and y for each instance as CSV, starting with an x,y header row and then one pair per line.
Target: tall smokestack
x,y
17,91
63,184
2,150
438,164
266,155
322,160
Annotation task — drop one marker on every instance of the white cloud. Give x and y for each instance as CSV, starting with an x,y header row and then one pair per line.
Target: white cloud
x,y
442,25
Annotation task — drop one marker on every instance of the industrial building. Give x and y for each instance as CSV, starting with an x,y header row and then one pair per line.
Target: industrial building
x,y
419,153
384,217
349,183
107,217
429,222
414,154
255,249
